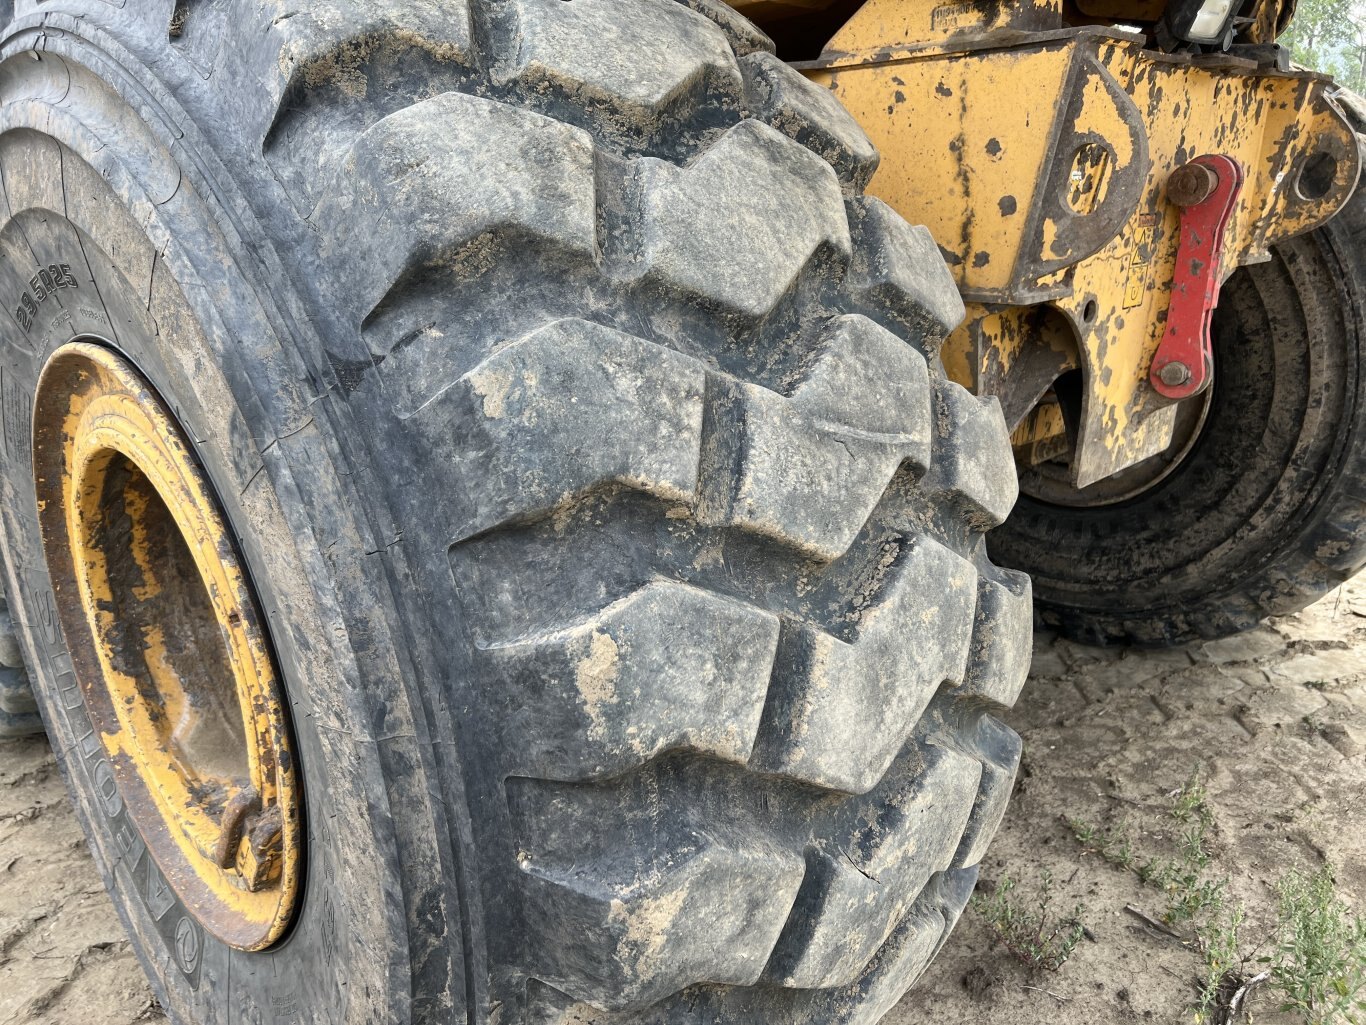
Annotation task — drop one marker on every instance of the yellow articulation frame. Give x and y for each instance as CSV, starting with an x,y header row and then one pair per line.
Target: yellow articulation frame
x,y
1036,144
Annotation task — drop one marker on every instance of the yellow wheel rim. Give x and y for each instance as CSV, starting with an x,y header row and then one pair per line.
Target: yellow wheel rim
x,y
168,645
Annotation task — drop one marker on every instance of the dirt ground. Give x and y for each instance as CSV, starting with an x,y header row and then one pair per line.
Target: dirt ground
x,y
1274,720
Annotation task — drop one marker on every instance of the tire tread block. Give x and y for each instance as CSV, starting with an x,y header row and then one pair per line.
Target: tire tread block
x,y
670,667
737,227
11,655
16,697
815,464
812,116
998,749
22,724
1002,638
840,710
899,276
631,902
914,943
328,43
565,410
973,462
745,37
901,960
642,60
438,198
866,881
17,703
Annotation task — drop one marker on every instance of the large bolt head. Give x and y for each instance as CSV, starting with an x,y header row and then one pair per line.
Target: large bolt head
x,y
259,858
1174,374
1190,184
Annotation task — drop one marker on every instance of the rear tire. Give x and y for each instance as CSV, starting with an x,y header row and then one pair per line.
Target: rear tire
x,y
1267,512
673,526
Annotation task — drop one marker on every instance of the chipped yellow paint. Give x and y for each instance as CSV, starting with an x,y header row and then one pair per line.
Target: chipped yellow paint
x,y
1024,347
1272,125
94,417
1038,160
972,143
892,28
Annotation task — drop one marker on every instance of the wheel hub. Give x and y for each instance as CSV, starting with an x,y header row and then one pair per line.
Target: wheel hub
x,y
1051,481
168,645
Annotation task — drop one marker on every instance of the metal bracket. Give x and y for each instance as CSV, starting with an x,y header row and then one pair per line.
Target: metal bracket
x,y
1207,189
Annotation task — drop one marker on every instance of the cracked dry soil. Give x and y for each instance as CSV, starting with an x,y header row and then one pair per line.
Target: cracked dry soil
x,y
1274,720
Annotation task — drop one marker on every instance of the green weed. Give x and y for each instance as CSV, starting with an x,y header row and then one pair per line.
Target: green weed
x,y
1029,927
1115,845
1319,966
1183,878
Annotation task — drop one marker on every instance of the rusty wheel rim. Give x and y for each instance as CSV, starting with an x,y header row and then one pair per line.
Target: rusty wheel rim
x,y
168,645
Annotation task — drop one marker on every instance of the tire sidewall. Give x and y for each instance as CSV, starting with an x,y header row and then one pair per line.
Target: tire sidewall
x,y
343,958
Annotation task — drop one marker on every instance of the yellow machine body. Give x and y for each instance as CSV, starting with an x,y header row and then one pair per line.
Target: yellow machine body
x,y
1035,140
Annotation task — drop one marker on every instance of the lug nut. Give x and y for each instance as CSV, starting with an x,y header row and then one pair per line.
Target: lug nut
x,y
243,804
1191,183
259,860
1174,374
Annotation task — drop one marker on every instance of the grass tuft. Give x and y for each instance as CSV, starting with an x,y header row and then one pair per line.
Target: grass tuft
x,y
1183,879
1319,967
1028,926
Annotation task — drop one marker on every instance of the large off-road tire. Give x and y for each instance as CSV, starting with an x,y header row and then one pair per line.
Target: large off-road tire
x,y
586,439
1266,513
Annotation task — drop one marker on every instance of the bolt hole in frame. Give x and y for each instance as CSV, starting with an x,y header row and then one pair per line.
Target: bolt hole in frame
x,y
168,644
1317,176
